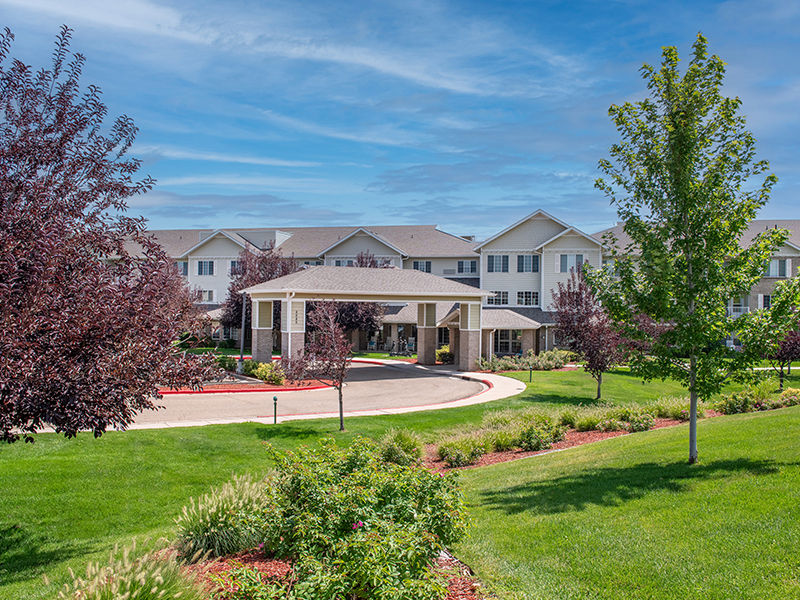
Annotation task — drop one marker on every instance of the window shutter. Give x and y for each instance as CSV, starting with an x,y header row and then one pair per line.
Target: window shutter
x,y
505,263
520,263
789,267
761,301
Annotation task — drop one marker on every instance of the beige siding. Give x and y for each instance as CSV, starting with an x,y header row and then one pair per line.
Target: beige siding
x,y
222,251
551,262
511,282
357,244
526,236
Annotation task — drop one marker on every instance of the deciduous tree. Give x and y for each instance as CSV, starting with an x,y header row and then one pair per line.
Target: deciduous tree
x,y
585,327
90,306
680,179
327,355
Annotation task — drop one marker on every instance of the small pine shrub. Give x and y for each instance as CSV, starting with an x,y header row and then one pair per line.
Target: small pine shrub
x,y
150,576
462,451
228,519
270,372
443,355
401,447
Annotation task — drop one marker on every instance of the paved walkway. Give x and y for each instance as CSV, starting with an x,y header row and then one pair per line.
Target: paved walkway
x,y
389,388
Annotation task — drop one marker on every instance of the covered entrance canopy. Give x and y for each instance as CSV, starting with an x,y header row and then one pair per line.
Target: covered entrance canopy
x,y
357,284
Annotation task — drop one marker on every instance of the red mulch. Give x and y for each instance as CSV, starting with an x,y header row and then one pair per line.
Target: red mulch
x,y
227,386
461,584
572,438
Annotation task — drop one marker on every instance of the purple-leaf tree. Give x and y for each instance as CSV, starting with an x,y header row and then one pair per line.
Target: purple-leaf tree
x,y
253,267
327,354
90,305
585,328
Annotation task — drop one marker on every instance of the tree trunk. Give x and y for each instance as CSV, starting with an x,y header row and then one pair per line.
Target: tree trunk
x,y
341,410
692,410
599,383
780,378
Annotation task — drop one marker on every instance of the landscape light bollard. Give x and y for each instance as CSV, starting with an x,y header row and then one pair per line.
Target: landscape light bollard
x,y
530,375
275,409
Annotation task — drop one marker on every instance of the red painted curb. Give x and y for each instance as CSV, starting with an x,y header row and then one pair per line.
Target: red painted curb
x,y
239,390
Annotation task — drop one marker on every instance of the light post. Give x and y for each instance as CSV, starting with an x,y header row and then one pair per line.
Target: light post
x,y
275,410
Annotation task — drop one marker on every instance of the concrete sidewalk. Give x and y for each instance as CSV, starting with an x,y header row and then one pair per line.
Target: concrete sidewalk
x,y
393,387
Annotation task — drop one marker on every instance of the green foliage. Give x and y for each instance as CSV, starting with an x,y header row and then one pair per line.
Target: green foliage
x,y
249,367
270,372
443,355
679,177
640,422
228,519
227,362
462,451
758,396
544,361
401,447
246,583
540,433
150,576
610,424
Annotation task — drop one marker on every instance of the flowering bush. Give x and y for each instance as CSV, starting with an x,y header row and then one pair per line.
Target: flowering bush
x,y
640,422
539,434
443,355
270,372
611,424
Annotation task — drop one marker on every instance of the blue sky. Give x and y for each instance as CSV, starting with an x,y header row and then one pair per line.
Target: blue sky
x,y
465,114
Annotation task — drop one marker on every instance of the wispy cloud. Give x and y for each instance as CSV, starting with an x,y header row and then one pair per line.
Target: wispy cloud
x,y
184,154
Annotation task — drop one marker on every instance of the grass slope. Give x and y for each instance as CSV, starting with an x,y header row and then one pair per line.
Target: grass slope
x,y
63,502
628,518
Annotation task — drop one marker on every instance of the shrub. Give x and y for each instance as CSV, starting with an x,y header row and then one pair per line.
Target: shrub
x,y
443,355
462,451
640,422
568,417
737,402
227,362
249,367
544,361
401,447
501,440
540,433
791,397
611,424
150,576
270,372
228,519
588,421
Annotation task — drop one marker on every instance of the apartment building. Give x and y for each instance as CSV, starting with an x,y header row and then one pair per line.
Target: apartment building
x,y
522,264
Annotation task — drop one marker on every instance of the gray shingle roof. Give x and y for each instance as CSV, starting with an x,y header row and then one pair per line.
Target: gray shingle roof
x,y
756,227
358,280
309,242
408,312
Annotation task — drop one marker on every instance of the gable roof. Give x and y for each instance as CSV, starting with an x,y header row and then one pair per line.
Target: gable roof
x,y
536,213
756,226
566,231
424,241
231,235
363,280
370,234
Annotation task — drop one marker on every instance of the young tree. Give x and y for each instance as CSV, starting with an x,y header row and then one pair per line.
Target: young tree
x,y
679,180
253,268
87,323
772,333
327,356
585,327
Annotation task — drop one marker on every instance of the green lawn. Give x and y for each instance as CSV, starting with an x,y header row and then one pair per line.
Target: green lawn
x,y
628,518
63,502
381,355
225,351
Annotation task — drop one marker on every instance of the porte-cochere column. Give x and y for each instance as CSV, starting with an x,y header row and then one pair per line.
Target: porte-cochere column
x,y
261,327
293,328
426,333
469,342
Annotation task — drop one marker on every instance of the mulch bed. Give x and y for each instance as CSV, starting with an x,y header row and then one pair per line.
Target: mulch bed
x,y
572,438
461,583
238,385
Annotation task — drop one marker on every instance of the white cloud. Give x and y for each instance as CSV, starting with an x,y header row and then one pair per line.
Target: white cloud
x,y
183,154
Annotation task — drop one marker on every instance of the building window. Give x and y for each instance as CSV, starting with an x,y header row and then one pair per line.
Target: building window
x,y
528,263
498,298
344,262
468,266
205,267
508,341
571,261
206,295
778,267
315,263
422,265
442,337
235,267
497,263
183,267
528,298
766,301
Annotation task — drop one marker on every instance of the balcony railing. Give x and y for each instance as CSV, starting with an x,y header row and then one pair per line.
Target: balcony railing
x,y
737,311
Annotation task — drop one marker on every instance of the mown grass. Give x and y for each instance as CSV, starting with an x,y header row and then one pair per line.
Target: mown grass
x,y
629,518
63,502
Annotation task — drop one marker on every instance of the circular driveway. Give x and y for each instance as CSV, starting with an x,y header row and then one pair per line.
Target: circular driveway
x,y
369,389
